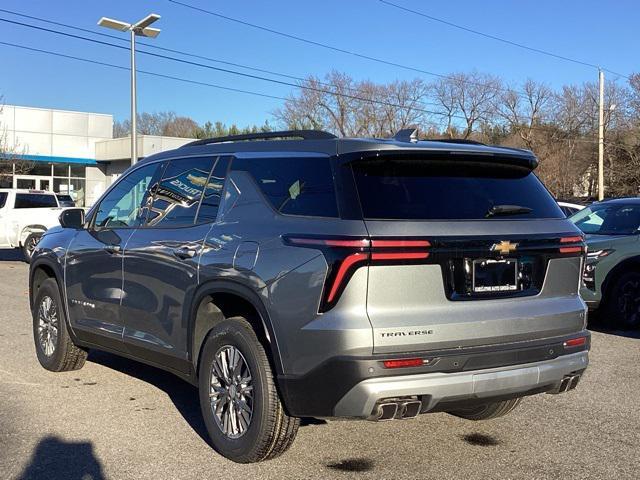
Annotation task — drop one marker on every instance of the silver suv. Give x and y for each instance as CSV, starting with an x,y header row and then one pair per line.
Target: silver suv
x,y
295,274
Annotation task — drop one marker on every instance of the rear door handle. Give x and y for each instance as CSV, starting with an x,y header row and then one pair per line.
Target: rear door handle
x,y
185,252
112,248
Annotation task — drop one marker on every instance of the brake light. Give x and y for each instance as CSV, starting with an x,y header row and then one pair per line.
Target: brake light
x,y
403,363
575,342
572,248
343,270
345,255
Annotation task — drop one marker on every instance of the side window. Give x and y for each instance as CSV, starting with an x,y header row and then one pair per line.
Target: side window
x,y
294,186
124,205
213,193
177,196
3,199
35,200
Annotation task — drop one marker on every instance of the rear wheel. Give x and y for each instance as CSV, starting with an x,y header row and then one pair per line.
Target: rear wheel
x,y
240,405
487,411
29,245
54,347
622,305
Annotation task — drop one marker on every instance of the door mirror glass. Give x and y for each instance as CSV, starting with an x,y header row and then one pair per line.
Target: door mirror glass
x,y
72,218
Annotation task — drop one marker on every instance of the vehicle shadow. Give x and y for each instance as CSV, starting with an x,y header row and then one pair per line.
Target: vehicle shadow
x,y
183,395
598,324
53,459
11,255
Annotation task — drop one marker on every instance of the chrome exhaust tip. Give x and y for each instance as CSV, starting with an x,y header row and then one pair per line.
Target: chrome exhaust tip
x,y
573,382
384,411
569,382
408,410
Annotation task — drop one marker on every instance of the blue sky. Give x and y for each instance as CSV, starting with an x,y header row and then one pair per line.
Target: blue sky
x,y
598,32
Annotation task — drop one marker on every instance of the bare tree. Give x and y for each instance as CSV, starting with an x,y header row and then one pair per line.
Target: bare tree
x,y
525,112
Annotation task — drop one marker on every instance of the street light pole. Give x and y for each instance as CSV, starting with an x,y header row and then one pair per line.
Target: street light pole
x,y
601,136
134,101
141,29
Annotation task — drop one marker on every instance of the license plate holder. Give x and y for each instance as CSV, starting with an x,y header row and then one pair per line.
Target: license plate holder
x,y
495,275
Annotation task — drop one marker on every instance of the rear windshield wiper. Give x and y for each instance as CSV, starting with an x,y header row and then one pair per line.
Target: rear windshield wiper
x,y
497,210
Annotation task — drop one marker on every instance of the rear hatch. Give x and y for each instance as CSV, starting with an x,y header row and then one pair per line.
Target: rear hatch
x,y
465,251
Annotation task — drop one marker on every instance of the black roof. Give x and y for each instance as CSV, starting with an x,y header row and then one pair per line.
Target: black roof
x,y
313,141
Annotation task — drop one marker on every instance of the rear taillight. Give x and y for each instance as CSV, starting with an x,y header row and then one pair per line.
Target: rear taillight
x,y
345,255
572,245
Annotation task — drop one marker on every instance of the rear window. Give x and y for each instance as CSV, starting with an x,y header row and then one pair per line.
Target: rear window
x,y
3,199
35,200
418,189
294,186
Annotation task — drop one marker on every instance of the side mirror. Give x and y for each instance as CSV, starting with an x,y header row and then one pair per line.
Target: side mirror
x,y
72,218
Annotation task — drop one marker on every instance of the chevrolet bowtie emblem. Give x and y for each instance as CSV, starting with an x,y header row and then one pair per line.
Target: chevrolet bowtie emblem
x,y
505,247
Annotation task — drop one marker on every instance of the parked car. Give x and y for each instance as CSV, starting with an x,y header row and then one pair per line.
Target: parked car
x,y
24,216
309,276
611,278
570,208
65,200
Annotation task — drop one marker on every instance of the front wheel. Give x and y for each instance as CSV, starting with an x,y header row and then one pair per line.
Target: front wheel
x,y
488,411
240,404
29,245
622,307
54,347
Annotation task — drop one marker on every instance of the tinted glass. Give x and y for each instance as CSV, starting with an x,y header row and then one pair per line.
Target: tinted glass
x,y
421,189
35,200
294,186
177,196
213,193
608,219
124,205
3,198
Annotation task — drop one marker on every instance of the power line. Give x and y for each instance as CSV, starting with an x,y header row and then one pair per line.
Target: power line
x,y
229,71
145,72
156,74
499,39
332,47
180,52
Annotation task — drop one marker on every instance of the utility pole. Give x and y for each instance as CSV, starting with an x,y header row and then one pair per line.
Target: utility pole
x,y
601,137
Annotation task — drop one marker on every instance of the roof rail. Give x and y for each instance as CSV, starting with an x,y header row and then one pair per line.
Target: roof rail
x,y
303,134
455,140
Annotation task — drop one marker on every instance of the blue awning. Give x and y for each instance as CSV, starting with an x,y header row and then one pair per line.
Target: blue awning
x,y
50,159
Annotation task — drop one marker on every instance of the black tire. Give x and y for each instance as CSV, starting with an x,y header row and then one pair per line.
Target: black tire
x,y
487,411
622,302
270,431
30,244
59,354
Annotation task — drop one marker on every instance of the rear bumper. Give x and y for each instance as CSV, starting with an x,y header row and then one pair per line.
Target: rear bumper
x,y
436,388
351,386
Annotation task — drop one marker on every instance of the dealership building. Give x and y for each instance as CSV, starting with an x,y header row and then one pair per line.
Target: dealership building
x,y
67,152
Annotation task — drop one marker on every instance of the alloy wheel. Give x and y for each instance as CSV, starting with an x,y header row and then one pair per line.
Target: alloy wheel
x,y
231,392
48,326
629,302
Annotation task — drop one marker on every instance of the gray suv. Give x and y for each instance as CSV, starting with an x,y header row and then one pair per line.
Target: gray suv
x,y
295,274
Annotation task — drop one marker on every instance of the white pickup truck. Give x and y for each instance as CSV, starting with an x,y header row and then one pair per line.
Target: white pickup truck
x,y
25,215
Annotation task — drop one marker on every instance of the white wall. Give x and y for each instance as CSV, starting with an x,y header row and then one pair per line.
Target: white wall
x,y
48,132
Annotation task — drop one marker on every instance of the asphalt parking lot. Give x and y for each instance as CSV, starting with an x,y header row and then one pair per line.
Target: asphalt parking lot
x,y
119,419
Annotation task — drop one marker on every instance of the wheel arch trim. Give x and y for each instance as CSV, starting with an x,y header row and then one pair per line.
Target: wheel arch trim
x,y
198,333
